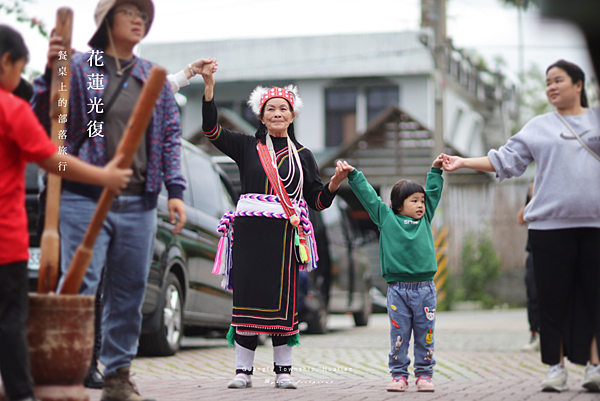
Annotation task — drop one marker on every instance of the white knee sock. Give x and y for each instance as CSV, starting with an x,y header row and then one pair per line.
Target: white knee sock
x,y
282,355
244,358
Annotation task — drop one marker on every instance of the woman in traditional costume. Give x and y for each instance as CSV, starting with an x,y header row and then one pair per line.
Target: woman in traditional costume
x,y
273,236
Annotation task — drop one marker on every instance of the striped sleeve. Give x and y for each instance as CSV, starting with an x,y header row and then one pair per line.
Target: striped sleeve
x,y
214,133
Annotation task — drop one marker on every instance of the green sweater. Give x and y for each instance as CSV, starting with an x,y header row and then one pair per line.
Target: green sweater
x,y
406,249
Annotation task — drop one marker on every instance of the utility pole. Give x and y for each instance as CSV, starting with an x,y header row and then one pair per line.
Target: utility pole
x,y
521,62
433,14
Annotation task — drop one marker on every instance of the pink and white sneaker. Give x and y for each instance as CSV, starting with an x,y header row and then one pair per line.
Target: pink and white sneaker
x,y
425,384
398,383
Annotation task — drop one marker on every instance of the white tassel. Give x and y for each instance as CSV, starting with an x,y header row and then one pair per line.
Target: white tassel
x,y
225,282
254,100
298,103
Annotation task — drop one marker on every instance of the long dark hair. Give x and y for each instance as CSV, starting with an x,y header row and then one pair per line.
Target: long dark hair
x,y
261,133
576,75
12,42
402,190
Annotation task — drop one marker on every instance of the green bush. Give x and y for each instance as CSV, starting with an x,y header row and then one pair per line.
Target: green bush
x,y
481,267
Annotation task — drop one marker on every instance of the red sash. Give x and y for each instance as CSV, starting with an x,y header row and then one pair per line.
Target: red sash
x,y
277,184
301,249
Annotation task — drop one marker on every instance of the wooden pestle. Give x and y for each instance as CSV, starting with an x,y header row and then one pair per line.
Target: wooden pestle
x,y
50,241
134,132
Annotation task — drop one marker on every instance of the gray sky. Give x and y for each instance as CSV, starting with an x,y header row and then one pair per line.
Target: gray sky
x,y
483,25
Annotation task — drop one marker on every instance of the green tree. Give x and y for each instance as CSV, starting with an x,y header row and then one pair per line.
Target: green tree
x,y
521,5
533,94
15,7
480,269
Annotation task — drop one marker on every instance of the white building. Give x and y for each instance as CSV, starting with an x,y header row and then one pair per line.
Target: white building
x,y
345,82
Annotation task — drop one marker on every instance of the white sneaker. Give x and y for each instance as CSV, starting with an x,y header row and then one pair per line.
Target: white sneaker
x,y
556,379
533,345
591,380
285,381
241,380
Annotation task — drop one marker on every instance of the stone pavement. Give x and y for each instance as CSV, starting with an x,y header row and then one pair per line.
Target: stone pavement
x,y
477,357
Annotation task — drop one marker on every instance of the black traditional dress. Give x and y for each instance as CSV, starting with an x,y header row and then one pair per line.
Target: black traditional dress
x,y
265,272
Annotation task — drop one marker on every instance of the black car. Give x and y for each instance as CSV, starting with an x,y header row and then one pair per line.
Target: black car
x,y
182,294
341,283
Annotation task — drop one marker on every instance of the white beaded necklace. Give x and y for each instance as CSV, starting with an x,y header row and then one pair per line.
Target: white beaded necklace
x,y
292,155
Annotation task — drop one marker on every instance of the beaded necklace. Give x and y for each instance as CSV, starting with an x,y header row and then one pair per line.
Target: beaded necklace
x,y
296,194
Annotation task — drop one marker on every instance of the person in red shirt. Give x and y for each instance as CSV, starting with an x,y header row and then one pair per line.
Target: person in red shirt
x,y
22,140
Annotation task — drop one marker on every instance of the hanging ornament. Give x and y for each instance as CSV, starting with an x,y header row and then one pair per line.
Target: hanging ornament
x,y
295,220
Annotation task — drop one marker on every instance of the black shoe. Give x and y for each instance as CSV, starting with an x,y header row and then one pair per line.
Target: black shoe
x,y
94,378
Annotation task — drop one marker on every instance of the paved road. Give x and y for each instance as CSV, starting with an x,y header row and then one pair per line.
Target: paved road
x,y
477,356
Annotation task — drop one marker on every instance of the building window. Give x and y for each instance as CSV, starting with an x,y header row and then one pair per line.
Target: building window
x,y
340,115
380,98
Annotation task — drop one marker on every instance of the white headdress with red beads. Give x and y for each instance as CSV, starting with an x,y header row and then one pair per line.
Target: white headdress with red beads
x,y
260,95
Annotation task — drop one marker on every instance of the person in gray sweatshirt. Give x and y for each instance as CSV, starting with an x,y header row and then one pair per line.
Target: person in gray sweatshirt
x,y
564,220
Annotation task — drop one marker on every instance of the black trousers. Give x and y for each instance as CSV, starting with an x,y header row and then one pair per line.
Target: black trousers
x,y
533,313
567,273
14,312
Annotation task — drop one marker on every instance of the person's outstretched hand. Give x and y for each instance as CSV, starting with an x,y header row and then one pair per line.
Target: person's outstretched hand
x,y
198,64
452,163
344,164
340,175
439,161
207,70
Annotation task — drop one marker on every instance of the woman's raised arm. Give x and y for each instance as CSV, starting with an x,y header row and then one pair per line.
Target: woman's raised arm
x,y
209,80
453,163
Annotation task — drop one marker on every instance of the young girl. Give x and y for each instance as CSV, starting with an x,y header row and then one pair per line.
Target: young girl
x,y
23,139
408,264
